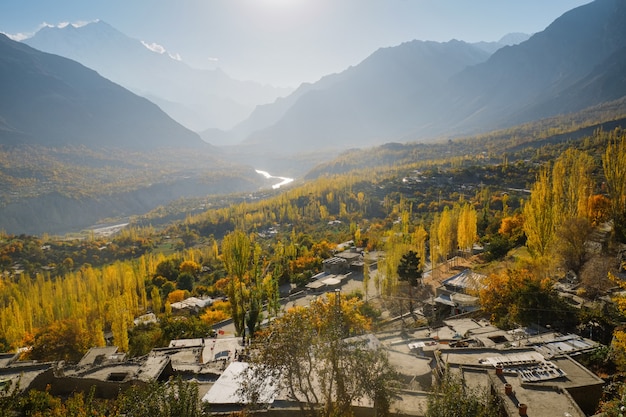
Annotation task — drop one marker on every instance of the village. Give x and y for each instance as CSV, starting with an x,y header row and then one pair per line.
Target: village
x,y
533,370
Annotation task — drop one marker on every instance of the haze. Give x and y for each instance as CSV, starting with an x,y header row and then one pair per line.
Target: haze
x,y
286,42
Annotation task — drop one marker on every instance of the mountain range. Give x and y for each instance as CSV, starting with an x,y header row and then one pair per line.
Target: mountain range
x,y
415,92
198,99
50,100
420,91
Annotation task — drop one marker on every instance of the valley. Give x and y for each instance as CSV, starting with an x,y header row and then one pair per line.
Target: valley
x,y
440,226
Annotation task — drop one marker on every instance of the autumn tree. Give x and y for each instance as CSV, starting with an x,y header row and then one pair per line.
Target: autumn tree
x,y
446,233
570,244
560,194
237,255
519,297
66,340
317,355
418,241
467,228
614,164
539,221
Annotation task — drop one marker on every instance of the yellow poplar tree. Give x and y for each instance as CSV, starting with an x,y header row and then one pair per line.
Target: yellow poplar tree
x,y
614,165
539,222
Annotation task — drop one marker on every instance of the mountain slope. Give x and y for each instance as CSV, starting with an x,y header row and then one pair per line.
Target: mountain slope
x,y
421,90
50,100
364,104
500,91
197,98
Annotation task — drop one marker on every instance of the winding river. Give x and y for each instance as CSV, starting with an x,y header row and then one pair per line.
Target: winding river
x,y
284,180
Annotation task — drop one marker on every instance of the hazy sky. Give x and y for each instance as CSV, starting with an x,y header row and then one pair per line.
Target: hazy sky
x,y
286,42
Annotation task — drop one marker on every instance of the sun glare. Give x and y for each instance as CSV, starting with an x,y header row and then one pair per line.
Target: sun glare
x,y
281,15
281,4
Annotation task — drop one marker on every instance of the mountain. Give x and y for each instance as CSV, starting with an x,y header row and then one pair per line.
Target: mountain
x,y
507,40
198,99
516,83
364,104
50,100
420,91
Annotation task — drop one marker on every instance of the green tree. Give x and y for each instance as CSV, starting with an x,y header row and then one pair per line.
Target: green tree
x,y
185,281
451,397
177,398
410,271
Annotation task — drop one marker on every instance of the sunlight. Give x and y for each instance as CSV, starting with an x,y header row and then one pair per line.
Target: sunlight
x,y
282,14
281,4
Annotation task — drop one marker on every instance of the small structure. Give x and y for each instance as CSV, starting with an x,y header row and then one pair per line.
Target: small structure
x,y
335,265
327,282
225,395
192,304
457,294
147,318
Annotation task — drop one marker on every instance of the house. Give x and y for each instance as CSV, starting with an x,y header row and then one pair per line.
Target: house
x,y
192,304
524,367
343,262
458,294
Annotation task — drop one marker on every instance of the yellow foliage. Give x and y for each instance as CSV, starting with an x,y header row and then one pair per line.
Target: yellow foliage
x,y
618,348
214,316
190,267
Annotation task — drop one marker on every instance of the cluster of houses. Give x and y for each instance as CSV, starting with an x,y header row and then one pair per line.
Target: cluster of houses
x,y
534,373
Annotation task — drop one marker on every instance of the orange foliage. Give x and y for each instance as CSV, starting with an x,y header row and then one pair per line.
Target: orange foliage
x,y
176,296
512,226
513,297
599,209
221,284
304,263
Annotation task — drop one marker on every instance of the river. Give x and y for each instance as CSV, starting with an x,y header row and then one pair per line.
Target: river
x,y
284,180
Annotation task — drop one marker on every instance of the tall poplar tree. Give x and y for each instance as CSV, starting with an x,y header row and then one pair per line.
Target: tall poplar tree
x,y
237,256
614,164
539,222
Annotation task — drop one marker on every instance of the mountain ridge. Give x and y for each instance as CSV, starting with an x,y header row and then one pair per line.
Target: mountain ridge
x,y
48,99
214,98
515,84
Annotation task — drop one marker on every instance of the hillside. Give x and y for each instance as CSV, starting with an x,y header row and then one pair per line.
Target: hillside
x,y
421,91
198,99
76,148
363,105
54,101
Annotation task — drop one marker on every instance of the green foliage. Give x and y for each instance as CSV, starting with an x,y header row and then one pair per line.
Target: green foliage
x,y
498,247
176,398
168,269
453,398
143,338
9,398
409,269
174,327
